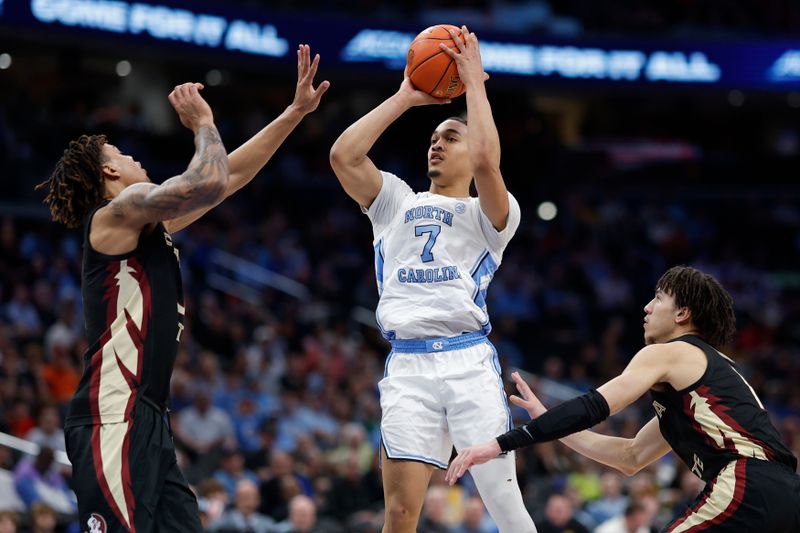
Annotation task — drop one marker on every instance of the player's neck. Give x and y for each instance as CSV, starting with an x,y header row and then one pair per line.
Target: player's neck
x,y
453,190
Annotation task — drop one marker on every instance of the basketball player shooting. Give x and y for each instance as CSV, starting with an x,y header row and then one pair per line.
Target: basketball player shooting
x,y
117,434
435,254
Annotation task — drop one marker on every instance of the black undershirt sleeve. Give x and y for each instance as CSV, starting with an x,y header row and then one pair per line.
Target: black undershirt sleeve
x,y
570,417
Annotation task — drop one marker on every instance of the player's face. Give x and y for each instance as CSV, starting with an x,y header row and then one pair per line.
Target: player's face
x,y
447,155
659,318
128,169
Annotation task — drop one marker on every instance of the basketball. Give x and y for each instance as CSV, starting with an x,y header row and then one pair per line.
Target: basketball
x,y
430,69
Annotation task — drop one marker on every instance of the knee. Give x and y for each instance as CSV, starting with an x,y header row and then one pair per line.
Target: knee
x,y
400,518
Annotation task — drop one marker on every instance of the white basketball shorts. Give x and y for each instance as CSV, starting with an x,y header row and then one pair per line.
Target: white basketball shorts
x,y
437,393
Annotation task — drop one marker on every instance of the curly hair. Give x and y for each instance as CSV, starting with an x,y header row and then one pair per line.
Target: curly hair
x,y
76,185
710,304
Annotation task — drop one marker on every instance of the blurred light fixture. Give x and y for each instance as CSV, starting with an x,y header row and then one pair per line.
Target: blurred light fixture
x,y
547,211
123,68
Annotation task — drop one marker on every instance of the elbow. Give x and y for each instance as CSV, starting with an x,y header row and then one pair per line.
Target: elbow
x,y
343,158
630,465
629,470
336,156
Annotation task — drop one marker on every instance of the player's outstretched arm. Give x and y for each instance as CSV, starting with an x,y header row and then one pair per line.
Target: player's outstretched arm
x,y
202,184
357,173
247,160
483,140
626,455
649,366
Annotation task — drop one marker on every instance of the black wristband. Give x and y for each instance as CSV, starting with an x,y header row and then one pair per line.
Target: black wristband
x,y
570,417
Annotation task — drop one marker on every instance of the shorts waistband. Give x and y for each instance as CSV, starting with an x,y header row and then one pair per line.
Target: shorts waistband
x,y
162,409
442,344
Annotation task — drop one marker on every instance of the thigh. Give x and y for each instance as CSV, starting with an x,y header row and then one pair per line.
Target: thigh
x,y
103,479
405,484
474,397
177,505
747,495
413,423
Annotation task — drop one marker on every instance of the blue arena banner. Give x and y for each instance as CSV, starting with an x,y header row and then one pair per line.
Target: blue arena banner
x,y
761,65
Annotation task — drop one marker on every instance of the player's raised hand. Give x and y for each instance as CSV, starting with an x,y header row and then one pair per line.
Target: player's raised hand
x,y
415,97
469,457
527,399
468,57
306,97
192,109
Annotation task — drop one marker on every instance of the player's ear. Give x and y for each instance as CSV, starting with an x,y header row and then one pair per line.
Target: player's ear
x,y
683,315
110,171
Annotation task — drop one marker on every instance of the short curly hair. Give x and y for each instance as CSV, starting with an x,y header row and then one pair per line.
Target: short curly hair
x,y
76,185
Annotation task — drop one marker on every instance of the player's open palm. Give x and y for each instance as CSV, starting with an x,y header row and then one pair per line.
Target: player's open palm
x,y
192,109
468,57
527,399
469,457
306,97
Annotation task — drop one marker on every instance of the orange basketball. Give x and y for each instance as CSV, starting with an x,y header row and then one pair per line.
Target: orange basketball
x,y
431,70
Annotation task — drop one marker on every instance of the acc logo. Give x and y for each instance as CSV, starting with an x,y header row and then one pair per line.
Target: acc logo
x,y
460,208
97,524
437,345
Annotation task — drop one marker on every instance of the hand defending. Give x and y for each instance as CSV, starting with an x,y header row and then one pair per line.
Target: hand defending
x,y
306,98
528,401
469,457
192,110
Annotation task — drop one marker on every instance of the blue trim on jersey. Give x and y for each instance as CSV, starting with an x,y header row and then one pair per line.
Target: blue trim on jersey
x,y
386,364
441,344
379,260
421,459
485,267
388,335
496,366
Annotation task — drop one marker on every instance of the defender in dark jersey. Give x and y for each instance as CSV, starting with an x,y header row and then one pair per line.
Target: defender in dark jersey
x,y
705,411
117,432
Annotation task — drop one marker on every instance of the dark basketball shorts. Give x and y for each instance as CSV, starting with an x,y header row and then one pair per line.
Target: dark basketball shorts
x,y
748,495
126,476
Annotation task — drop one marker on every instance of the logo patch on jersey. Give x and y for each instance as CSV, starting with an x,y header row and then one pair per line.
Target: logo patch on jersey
x,y
461,207
659,408
697,468
96,523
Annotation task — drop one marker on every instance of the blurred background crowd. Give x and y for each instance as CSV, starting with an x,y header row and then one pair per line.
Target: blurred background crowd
x,y
274,406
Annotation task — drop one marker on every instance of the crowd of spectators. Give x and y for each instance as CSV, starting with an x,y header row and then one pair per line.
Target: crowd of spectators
x,y
274,400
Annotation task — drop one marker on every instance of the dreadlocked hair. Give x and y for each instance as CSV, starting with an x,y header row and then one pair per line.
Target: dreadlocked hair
x,y
76,185
711,305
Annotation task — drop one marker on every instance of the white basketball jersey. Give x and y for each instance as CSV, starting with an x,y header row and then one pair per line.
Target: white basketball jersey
x,y
434,259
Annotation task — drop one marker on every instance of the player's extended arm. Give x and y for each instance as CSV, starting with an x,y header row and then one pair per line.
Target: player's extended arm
x,y
202,184
247,160
482,139
358,175
626,455
649,366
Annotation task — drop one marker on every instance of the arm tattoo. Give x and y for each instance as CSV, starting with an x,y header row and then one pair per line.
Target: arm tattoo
x,y
203,184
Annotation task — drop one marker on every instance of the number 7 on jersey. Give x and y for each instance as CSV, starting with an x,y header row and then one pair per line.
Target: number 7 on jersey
x,y
433,231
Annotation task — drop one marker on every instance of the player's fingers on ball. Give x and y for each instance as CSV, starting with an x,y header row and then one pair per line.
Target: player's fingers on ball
x,y
447,50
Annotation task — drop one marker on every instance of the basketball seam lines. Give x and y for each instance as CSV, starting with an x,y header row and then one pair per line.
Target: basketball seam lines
x,y
443,74
428,59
